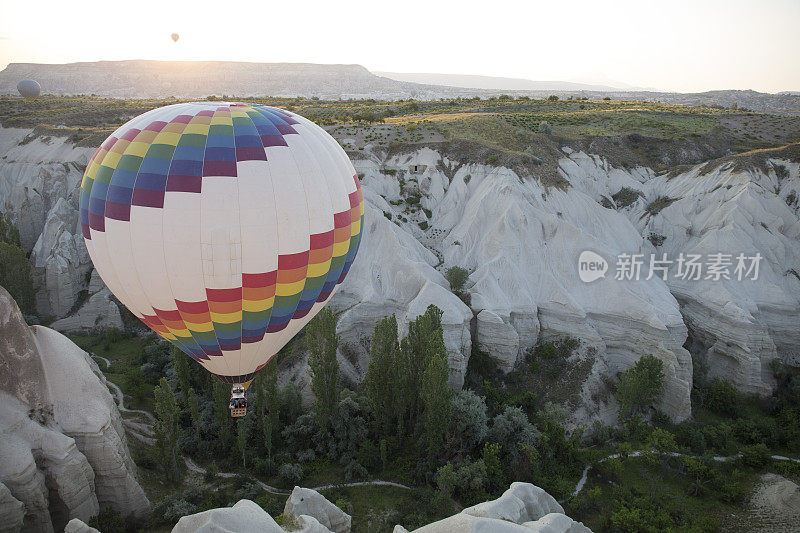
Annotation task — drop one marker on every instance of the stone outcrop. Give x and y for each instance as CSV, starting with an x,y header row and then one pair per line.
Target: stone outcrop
x,y
312,503
522,508
99,312
245,515
39,193
63,452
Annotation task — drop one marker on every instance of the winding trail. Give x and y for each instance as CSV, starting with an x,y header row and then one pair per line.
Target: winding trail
x,y
637,453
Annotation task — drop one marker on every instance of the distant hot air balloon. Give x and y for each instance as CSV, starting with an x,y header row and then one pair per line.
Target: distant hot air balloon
x,y
224,227
175,37
30,89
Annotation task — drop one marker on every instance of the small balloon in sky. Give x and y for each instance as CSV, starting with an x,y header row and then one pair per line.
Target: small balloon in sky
x,y
30,89
175,37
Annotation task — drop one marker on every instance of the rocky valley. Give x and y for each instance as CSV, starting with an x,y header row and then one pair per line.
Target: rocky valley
x,y
516,204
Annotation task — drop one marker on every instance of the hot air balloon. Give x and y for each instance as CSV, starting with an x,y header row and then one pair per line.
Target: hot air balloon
x,y
175,37
30,89
224,227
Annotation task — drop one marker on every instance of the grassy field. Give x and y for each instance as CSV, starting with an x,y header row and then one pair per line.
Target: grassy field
x,y
501,122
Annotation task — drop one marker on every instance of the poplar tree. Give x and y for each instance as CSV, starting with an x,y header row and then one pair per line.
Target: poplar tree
x,y
381,382
436,393
268,403
194,411
166,427
323,342
180,362
415,350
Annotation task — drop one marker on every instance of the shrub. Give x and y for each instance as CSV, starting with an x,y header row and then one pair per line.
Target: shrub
x,y
723,398
756,455
290,473
640,386
657,205
469,422
625,196
545,127
354,471
457,277
491,159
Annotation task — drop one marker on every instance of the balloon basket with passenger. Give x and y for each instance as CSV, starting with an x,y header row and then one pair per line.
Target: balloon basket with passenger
x,y
238,405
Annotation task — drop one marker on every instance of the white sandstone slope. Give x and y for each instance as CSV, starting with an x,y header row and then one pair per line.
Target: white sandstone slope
x,y
39,192
741,325
520,241
741,205
63,453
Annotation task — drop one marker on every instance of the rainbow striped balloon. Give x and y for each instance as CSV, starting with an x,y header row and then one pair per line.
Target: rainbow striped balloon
x,y
225,227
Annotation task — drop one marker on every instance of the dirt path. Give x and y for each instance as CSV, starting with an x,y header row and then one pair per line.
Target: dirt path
x,y
637,453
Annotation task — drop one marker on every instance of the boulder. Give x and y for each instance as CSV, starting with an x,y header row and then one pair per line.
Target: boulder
x,y
78,526
312,503
522,508
245,515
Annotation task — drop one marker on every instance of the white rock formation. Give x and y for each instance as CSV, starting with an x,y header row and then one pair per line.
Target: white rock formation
x,y
522,508
731,209
60,260
76,525
312,503
245,515
62,446
12,511
520,241
39,192
99,312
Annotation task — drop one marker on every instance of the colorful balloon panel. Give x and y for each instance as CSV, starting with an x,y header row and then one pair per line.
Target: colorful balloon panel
x,y
224,227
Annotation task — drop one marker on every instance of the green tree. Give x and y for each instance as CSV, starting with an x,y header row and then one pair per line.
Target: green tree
x,y
180,362
166,428
9,232
456,276
268,403
222,416
323,342
415,352
382,381
194,410
242,433
16,276
436,393
640,386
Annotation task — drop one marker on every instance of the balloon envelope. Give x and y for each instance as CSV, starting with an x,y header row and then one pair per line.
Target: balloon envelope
x,y
29,88
224,227
175,37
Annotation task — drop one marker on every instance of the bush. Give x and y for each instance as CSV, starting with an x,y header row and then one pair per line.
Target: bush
x,y
469,422
354,471
545,127
723,398
756,455
290,473
457,277
640,386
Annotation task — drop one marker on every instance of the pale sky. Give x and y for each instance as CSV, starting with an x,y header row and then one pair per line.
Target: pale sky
x,y
678,45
